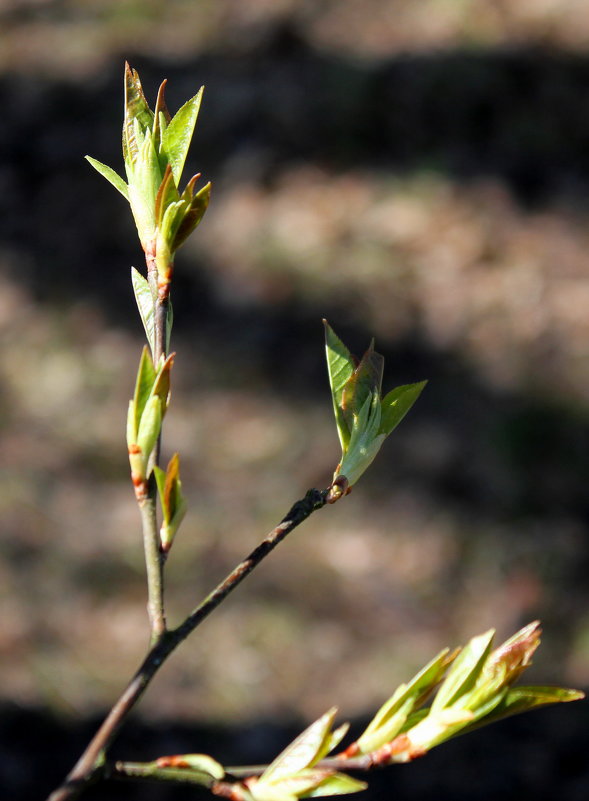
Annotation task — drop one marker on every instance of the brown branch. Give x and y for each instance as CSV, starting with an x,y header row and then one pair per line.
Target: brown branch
x,y
91,765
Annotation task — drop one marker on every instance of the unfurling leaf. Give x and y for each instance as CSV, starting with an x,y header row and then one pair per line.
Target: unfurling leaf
x,y
308,748
477,691
203,764
145,304
363,418
154,151
178,135
394,713
113,177
172,500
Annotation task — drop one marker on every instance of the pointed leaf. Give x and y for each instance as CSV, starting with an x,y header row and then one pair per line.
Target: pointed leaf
x,y
193,216
136,108
161,115
178,135
110,175
337,784
465,671
132,424
303,751
143,385
161,386
340,366
160,480
166,194
202,764
365,441
299,784
397,403
145,304
334,739
148,177
413,719
362,384
149,427
171,485
391,717
523,699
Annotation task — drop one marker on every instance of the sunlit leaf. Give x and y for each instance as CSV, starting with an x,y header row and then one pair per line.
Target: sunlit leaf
x,y
465,670
333,739
161,384
340,366
113,177
150,426
337,784
166,194
397,403
178,135
303,751
392,716
362,384
161,115
136,110
193,216
144,300
203,764
523,699
144,384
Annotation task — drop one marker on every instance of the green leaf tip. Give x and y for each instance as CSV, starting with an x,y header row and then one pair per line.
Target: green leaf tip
x,y
363,418
155,147
110,175
477,690
295,773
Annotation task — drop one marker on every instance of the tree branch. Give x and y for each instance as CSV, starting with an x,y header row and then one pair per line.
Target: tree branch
x,y
91,765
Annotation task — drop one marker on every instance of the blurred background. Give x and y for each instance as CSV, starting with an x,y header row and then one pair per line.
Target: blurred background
x,y
416,171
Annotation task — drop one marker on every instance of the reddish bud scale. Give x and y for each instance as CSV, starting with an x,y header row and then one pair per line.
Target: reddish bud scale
x,y
234,792
150,257
401,745
339,487
172,762
351,751
163,288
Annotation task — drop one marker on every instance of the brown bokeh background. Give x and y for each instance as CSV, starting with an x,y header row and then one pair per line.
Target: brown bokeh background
x,y
416,171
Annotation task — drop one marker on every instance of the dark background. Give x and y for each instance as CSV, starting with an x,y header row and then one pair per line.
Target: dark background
x,y
417,172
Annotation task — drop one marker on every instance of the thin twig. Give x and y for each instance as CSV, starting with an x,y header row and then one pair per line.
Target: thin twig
x,y
91,765
154,565
154,556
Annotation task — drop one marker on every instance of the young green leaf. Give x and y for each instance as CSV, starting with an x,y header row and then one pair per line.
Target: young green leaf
x,y
365,382
397,403
465,670
136,109
167,193
144,384
524,699
304,751
149,427
178,135
193,216
363,419
337,784
393,714
202,764
145,304
110,175
340,367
